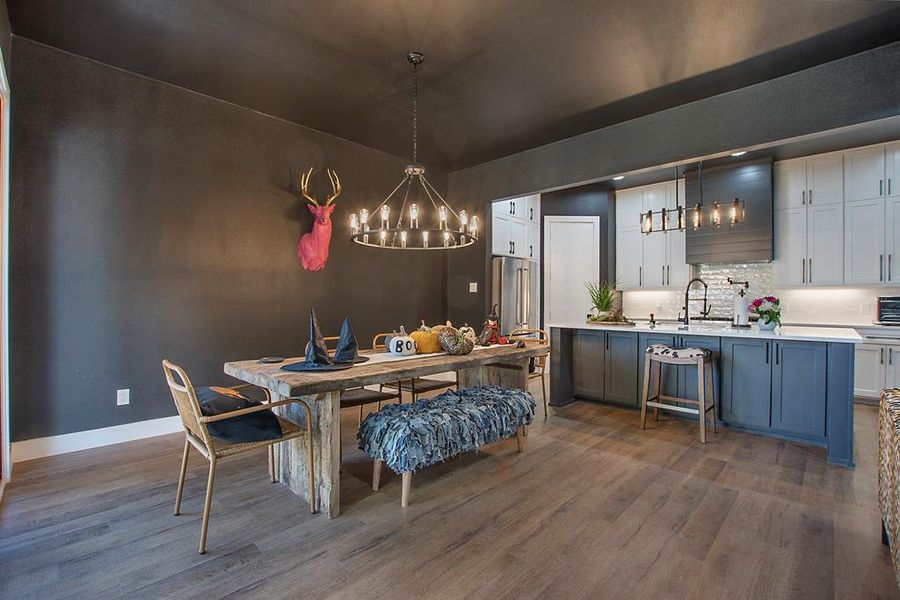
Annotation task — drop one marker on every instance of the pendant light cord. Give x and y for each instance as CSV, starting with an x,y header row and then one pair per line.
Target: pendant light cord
x,y
415,123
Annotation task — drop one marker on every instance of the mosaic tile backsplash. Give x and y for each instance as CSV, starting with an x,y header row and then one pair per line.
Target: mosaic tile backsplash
x,y
838,305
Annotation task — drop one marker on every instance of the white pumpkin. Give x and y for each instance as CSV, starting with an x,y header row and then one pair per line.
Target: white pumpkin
x,y
402,345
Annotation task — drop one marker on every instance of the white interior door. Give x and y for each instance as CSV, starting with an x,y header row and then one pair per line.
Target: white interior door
x,y
571,258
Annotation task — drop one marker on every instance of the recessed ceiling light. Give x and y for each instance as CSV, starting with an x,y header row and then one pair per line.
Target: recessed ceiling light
x,y
739,153
618,178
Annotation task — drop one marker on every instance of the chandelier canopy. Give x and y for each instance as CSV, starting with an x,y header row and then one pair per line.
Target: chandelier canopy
x,y
411,227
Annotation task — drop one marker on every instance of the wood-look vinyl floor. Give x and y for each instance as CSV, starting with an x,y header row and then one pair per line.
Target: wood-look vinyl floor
x,y
595,508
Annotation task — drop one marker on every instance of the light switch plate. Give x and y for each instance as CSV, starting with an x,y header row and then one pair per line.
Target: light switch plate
x,y
473,287
123,397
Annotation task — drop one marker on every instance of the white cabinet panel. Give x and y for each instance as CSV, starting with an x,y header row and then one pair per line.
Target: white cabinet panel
x,y
825,179
534,241
789,267
518,235
892,168
654,271
864,174
869,370
520,207
790,183
629,258
500,240
533,209
629,205
864,241
892,367
892,240
824,244
678,272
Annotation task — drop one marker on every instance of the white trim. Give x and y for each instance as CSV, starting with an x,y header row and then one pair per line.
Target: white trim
x,y
94,438
5,447
595,221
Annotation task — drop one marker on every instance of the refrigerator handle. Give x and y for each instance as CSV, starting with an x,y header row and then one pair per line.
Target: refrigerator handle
x,y
526,297
518,297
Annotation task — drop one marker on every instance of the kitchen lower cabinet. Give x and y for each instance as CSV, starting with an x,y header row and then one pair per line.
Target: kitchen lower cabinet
x,y
589,349
620,378
669,373
798,388
606,366
877,367
688,386
746,382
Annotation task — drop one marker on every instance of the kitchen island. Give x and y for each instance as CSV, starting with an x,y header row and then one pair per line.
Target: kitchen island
x,y
795,383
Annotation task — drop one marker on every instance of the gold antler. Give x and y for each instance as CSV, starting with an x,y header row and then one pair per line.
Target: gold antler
x,y
304,187
335,186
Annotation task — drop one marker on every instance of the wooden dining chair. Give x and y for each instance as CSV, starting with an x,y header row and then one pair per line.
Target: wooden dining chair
x,y
419,385
360,396
215,449
540,362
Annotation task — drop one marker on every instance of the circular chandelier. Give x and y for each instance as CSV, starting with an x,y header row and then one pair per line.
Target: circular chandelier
x,y
408,228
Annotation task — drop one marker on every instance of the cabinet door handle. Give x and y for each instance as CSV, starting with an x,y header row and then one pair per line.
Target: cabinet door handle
x,y
511,207
664,274
803,266
889,266
531,214
803,197
809,262
890,356
810,196
767,352
640,276
607,341
777,350
510,248
514,247
668,274
881,354
881,267
530,251
889,186
881,187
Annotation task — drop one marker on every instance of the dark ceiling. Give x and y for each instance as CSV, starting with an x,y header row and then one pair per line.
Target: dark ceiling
x,y
500,76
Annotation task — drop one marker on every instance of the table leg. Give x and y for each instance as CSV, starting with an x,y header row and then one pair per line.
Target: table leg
x,y
291,463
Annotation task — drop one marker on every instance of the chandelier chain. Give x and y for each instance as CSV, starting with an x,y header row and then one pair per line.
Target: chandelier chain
x,y
415,123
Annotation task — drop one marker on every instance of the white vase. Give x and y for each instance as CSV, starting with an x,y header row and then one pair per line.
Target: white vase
x,y
763,326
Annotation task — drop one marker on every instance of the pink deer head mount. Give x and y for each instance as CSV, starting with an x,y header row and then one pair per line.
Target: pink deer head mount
x,y
313,247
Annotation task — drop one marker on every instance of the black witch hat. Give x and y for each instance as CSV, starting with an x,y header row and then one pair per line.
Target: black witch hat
x,y
317,358
347,346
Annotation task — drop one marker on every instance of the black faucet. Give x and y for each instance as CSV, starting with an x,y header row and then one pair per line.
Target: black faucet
x,y
706,308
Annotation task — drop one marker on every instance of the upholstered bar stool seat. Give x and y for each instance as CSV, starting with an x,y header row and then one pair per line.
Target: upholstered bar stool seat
x,y
660,354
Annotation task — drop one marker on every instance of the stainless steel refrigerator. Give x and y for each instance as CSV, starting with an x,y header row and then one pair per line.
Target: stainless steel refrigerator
x,y
514,289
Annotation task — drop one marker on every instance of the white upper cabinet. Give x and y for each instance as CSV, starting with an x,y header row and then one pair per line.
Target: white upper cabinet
x,y
864,229
511,221
825,179
629,206
811,180
655,260
864,173
789,266
825,244
629,258
790,183
892,168
892,240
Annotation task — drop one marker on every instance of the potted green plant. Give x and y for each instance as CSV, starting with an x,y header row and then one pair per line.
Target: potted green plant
x,y
603,297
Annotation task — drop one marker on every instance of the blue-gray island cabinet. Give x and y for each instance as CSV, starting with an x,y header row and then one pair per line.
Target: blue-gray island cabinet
x,y
796,383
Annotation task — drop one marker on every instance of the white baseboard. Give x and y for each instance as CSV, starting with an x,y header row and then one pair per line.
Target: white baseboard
x,y
94,438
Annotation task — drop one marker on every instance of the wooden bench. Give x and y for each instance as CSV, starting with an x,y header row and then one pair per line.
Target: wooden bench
x,y
410,437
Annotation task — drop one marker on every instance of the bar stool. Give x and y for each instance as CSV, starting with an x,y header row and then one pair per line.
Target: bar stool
x,y
659,354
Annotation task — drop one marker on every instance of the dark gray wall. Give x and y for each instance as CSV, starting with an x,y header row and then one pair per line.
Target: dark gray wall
x,y
852,90
5,34
149,222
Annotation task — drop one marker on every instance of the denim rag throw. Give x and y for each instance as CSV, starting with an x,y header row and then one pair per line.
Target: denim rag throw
x,y
409,437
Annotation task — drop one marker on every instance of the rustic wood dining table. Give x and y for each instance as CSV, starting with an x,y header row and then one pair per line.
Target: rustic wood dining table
x,y
506,366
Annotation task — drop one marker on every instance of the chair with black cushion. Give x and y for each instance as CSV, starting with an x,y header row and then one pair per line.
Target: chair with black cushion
x,y
419,385
361,396
540,362
221,422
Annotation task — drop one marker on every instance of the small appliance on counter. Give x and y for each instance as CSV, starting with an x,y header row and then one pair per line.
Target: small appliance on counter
x,y
888,310
740,313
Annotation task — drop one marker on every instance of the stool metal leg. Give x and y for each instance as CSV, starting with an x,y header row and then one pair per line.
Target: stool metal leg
x,y
701,384
646,390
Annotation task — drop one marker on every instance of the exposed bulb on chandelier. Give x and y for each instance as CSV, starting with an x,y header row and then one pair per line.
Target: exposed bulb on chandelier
x,y
414,216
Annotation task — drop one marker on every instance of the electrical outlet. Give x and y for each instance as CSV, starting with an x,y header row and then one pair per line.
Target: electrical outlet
x,y
123,397
473,287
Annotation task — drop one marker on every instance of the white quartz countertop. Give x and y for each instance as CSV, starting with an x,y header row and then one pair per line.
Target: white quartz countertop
x,y
788,332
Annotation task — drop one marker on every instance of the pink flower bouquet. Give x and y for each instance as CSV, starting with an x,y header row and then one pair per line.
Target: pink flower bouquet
x,y
768,308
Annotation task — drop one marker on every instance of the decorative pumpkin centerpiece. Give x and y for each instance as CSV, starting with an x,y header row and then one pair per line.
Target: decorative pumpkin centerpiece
x,y
426,340
469,333
455,342
437,329
402,345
